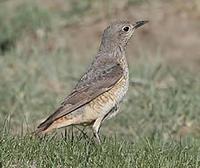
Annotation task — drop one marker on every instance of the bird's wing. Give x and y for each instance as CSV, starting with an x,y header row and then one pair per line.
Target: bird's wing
x,y
100,82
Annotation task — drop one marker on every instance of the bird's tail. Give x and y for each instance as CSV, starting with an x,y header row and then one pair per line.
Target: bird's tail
x,y
42,128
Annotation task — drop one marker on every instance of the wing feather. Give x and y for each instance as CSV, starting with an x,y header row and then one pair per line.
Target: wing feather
x,y
99,83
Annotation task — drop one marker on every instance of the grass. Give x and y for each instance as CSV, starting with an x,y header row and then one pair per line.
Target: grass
x,y
30,152
157,127
51,152
159,121
26,17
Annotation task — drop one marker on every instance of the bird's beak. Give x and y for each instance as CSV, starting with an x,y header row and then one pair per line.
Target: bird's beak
x,y
139,23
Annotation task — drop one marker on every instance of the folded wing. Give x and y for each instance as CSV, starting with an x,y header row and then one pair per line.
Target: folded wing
x,y
100,82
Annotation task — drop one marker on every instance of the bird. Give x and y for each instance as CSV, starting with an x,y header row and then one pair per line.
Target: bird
x,y
97,95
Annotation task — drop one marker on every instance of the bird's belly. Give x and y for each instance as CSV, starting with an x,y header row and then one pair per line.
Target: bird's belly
x,y
101,105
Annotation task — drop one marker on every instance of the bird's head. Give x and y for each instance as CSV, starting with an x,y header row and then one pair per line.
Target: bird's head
x,y
119,33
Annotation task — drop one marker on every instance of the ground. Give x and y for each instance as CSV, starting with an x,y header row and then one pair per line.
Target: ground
x,y
46,45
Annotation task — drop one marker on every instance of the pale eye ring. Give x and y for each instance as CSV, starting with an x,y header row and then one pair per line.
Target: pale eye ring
x,y
126,28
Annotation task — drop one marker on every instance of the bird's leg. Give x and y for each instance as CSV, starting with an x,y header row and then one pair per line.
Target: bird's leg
x,y
97,123
96,127
96,134
82,132
112,112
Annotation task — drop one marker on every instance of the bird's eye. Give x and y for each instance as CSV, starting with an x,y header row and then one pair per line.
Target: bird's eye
x,y
126,28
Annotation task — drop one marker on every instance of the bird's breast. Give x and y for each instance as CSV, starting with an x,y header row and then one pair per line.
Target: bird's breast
x,y
106,101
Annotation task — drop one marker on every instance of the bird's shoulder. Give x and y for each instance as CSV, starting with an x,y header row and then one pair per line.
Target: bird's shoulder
x,y
101,69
